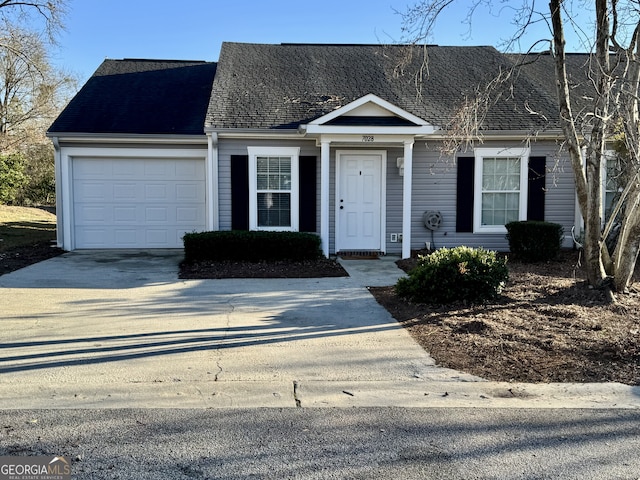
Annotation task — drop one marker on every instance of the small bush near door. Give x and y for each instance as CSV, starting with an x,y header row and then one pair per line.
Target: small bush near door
x,y
251,246
456,274
533,241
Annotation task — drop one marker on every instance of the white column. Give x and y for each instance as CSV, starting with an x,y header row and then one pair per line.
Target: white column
x,y
324,196
66,175
57,165
406,199
212,187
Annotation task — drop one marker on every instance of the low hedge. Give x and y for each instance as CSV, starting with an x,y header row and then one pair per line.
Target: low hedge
x,y
252,246
448,275
534,241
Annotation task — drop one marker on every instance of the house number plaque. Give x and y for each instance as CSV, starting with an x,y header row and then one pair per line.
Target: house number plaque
x,y
367,138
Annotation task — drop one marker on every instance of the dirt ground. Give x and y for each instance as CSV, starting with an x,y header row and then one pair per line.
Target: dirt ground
x,y
284,269
22,256
548,326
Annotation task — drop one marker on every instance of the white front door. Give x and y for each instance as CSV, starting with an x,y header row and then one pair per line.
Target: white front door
x,y
359,200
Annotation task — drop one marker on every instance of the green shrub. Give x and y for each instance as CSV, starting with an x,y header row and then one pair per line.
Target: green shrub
x,y
252,246
461,273
40,188
533,241
12,176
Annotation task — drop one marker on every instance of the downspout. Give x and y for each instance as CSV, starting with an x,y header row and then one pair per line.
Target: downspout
x,y
213,211
59,201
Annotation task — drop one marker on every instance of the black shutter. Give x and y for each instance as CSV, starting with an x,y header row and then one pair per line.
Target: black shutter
x,y
239,192
307,194
464,194
535,201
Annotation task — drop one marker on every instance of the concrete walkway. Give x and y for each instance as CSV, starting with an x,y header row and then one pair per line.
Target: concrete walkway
x,y
106,329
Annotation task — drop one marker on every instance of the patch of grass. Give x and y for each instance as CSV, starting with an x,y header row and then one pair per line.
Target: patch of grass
x,y
24,226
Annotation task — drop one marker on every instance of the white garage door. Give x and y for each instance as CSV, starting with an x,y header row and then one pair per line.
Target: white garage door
x,y
137,202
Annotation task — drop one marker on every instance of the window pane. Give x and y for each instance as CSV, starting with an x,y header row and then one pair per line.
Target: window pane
x,y
512,182
499,217
487,201
488,174
284,164
502,166
511,216
274,210
262,164
273,173
501,190
487,217
274,182
608,204
513,201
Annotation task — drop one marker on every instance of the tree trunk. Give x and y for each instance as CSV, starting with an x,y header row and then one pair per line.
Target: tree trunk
x,y
587,183
626,261
592,222
628,245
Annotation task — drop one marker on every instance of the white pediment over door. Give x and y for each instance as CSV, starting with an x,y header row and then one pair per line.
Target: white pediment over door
x,y
369,112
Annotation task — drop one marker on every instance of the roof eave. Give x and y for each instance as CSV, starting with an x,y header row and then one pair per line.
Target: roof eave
x,y
128,137
312,129
530,135
247,133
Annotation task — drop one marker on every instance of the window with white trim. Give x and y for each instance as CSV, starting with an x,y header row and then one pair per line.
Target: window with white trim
x,y
273,188
611,181
500,188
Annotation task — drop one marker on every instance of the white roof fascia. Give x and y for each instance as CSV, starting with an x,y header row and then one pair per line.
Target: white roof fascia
x,y
256,133
369,130
129,138
370,98
515,135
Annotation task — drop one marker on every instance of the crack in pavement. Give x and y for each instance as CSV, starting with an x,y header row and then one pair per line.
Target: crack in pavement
x,y
295,394
226,333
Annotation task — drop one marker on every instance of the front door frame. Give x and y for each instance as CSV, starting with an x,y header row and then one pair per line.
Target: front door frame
x,y
382,193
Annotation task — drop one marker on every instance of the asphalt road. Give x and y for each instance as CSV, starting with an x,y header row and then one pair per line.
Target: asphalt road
x,y
363,443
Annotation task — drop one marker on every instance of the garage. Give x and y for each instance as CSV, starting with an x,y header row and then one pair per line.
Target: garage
x,y
136,202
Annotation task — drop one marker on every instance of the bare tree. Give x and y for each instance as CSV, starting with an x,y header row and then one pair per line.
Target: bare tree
x,y
31,89
47,14
613,70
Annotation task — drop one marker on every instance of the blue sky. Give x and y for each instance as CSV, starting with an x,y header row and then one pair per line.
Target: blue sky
x,y
195,29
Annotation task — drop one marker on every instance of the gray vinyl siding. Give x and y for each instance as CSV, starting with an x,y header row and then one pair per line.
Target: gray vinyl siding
x,y
433,188
229,147
394,201
560,201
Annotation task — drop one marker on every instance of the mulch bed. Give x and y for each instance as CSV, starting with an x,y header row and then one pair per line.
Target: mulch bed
x,y
19,257
548,326
322,267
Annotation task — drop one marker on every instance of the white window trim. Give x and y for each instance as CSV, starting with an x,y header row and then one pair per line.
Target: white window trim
x,y
604,174
480,154
254,153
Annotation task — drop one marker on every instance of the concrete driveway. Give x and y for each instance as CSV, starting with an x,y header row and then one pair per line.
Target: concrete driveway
x,y
119,329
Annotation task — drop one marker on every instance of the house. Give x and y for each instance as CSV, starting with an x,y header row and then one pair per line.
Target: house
x,y
341,140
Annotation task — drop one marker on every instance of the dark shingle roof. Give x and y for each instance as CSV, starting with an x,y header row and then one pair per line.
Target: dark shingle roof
x,y
260,86
141,97
540,70
283,86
